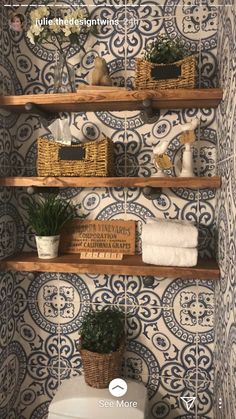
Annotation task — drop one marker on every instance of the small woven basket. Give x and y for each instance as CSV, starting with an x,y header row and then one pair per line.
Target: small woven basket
x,y
186,79
97,159
101,369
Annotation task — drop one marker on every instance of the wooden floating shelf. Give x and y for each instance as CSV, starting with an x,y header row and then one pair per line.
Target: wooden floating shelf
x,y
114,100
99,182
130,265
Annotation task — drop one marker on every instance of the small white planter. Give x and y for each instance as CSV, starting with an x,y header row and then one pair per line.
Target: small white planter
x,y
47,246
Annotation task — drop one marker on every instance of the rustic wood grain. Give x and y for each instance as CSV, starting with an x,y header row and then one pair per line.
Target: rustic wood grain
x,y
118,100
99,182
129,265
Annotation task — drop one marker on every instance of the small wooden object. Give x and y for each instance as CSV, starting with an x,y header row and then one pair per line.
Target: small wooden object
x,y
101,255
101,237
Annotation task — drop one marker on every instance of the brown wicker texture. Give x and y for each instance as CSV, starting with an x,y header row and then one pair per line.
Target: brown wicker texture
x,y
101,369
98,160
144,80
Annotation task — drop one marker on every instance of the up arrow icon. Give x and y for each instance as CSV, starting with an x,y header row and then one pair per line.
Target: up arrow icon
x,y
188,401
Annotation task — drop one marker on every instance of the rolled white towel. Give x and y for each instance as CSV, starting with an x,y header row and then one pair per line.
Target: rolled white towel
x,y
169,256
169,233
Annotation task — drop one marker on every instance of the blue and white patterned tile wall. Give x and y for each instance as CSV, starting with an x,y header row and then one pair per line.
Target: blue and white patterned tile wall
x,y
9,361
169,321
225,316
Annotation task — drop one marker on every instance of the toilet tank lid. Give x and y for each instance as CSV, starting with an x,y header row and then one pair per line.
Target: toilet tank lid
x,y
75,399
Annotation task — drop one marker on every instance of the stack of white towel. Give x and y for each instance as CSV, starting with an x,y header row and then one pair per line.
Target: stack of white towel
x,y
169,243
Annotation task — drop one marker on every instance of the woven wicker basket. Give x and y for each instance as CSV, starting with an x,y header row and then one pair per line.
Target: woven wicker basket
x,y
186,79
101,369
97,160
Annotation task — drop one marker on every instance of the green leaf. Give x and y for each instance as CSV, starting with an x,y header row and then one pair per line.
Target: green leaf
x,y
48,216
102,331
165,51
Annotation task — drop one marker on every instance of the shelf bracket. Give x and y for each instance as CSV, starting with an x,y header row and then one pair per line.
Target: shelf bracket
x,y
45,117
152,193
148,115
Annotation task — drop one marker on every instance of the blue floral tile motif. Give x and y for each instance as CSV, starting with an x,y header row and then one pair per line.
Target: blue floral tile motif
x,y
11,230
41,412
33,400
51,297
140,362
191,309
12,373
65,304
109,290
195,364
224,386
55,354
192,313
169,323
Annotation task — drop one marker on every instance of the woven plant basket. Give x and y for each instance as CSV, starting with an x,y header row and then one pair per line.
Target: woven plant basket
x,y
96,160
101,369
186,79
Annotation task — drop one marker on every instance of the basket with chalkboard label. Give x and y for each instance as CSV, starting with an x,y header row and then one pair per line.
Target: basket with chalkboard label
x,y
180,74
94,158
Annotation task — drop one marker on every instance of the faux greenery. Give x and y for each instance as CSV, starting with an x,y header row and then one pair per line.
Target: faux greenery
x,y
48,216
102,331
165,51
58,27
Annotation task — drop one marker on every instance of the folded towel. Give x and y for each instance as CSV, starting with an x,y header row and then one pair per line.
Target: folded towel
x,y
169,233
169,256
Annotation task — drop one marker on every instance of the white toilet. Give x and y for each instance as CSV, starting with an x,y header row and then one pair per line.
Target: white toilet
x,y
74,399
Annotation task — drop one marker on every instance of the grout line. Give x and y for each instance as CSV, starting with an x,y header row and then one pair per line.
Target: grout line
x,y
197,357
90,303
232,156
229,261
215,6
59,331
126,327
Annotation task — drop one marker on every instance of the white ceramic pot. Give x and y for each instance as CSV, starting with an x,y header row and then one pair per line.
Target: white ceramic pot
x,y
47,246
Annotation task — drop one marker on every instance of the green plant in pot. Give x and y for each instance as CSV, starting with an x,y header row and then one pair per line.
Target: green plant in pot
x,y
166,64
164,50
47,218
102,346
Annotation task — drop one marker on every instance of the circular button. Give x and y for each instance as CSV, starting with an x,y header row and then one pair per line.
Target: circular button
x,y
118,387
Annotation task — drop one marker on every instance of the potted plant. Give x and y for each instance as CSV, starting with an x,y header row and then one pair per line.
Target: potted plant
x,y
102,346
47,217
167,64
63,37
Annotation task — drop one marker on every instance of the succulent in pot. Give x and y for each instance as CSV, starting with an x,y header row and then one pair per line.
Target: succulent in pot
x,y
102,346
47,217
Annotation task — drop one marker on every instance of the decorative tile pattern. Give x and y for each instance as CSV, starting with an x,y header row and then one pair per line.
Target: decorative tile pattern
x,y
225,387
169,321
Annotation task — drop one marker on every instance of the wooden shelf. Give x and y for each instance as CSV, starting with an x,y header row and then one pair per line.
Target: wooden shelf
x,y
99,182
114,100
130,265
